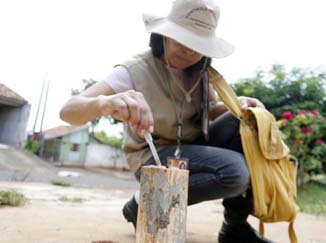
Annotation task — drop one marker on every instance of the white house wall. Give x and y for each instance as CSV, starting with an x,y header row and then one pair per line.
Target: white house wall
x,y
100,155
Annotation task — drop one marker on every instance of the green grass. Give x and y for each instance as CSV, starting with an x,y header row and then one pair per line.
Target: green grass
x,y
60,183
12,198
312,199
73,200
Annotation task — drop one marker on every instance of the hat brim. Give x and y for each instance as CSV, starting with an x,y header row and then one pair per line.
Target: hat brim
x,y
209,46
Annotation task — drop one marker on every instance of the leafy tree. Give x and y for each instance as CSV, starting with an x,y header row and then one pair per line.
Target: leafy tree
x,y
110,140
281,91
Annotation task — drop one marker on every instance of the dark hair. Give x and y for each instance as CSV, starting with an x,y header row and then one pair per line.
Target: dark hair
x,y
156,44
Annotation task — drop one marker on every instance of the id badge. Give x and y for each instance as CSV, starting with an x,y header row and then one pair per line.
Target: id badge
x,y
179,163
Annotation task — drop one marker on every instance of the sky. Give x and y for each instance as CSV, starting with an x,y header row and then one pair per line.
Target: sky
x,y
66,41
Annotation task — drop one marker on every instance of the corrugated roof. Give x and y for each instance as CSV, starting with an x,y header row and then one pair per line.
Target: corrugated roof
x,y
62,131
9,97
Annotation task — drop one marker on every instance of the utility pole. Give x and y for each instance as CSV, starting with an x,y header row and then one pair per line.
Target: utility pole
x,y
38,107
41,141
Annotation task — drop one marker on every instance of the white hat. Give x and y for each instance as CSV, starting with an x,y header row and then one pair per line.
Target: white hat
x,y
193,24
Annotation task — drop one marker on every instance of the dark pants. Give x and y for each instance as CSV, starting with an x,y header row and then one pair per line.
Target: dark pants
x,y
217,167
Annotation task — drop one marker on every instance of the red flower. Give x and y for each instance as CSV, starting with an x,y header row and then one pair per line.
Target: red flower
x,y
319,141
306,130
287,115
315,112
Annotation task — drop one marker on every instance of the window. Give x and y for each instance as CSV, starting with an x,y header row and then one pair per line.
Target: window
x,y
74,147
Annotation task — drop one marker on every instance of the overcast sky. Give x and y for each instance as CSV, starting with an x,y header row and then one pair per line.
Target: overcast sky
x,y
66,41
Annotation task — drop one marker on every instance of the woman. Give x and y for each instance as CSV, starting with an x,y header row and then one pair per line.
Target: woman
x,y
163,91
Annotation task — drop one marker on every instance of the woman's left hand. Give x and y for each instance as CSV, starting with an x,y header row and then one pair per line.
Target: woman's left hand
x,y
247,102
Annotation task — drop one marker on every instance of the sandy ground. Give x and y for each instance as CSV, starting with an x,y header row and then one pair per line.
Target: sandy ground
x,y
47,219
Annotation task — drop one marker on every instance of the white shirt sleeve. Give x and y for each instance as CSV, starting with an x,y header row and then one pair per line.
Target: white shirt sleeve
x,y
119,79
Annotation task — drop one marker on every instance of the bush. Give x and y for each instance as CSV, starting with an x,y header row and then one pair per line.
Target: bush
x,y
32,146
305,134
60,183
109,140
12,198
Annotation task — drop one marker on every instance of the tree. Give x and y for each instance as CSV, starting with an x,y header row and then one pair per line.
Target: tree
x,y
110,140
281,91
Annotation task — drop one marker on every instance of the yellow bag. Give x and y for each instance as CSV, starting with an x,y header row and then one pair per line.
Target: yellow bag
x,y
272,169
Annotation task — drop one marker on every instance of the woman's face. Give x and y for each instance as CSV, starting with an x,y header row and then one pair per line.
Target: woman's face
x,y
179,56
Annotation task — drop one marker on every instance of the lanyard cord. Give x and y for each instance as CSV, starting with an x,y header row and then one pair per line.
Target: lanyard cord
x,y
179,114
187,93
187,97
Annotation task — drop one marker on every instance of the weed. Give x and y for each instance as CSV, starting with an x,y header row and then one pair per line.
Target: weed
x,y
60,183
12,198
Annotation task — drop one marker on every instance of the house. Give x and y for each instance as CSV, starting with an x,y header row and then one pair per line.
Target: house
x,y
14,114
66,145
99,154
75,146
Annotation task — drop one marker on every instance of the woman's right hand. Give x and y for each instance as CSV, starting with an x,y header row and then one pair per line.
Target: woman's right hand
x,y
130,107
101,100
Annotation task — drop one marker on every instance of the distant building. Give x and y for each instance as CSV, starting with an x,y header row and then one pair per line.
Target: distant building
x,y
66,145
100,154
14,114
74,146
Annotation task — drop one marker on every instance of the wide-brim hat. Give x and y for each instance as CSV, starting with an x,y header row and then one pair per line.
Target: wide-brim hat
x,y
193,24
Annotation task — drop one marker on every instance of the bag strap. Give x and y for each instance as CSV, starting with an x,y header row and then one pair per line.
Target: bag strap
x,y
225,92
231,101
292,235
261,228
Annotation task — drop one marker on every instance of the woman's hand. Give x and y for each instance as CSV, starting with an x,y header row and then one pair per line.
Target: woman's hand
x,y
216,109
101,100
130,107
247,102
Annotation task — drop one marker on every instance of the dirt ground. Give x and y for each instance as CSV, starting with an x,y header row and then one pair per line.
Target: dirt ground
x,y
47,218
50,217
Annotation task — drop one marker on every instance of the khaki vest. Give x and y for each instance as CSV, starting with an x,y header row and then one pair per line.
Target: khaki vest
x,y
154,81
